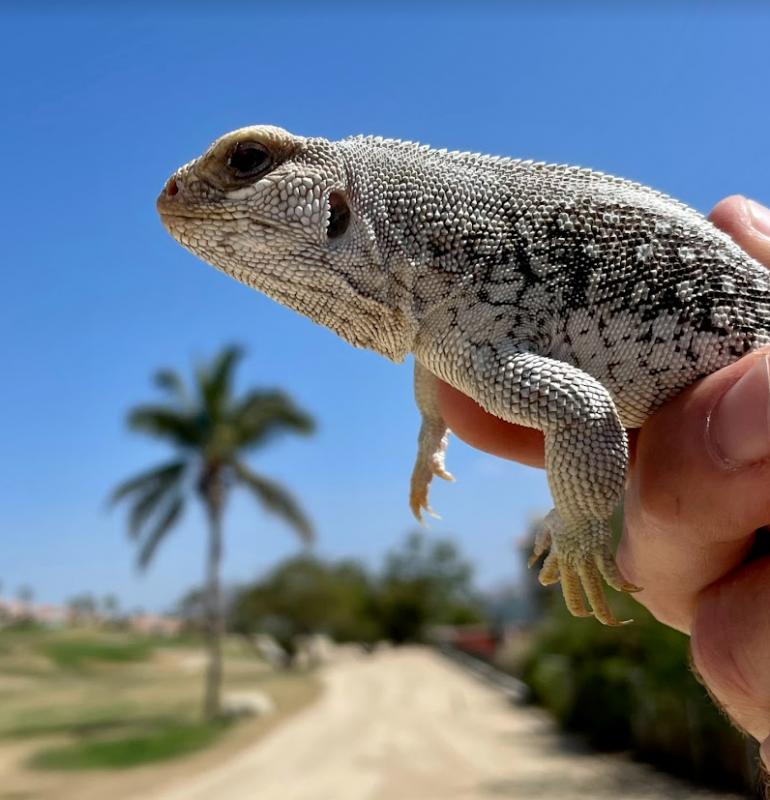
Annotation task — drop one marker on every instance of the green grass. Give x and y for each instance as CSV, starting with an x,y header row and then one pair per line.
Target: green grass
x,y
115,700
75,653
167,741
34,722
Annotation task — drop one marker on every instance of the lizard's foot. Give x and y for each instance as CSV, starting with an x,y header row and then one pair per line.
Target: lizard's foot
x,y
579,556
430,462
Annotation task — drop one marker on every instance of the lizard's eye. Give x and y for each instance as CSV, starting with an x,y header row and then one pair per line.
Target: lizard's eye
x,y
249,159
339,215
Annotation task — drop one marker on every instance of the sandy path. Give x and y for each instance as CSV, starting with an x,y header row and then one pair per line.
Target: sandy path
x,y
407,725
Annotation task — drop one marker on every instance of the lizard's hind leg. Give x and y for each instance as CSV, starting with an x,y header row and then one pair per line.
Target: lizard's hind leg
x,y
431,443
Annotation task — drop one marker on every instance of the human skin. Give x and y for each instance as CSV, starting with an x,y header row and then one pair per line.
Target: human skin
x,y
698,490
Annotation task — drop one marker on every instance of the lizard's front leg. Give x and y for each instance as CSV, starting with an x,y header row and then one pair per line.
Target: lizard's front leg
x,y
431,442
586,457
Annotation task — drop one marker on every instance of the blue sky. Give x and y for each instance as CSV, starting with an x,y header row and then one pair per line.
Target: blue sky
x,y
99,106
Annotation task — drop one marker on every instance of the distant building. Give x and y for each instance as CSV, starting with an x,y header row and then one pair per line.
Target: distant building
x,y
52,616
18,610
155,624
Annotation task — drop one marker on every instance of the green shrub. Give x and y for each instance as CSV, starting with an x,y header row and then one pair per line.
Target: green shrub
x,y
632,688
551,679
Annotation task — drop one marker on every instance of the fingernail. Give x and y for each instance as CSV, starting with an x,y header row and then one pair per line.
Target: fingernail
x,y
760,217
739,427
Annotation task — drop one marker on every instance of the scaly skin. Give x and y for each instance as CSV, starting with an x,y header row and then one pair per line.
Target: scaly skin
x,y
558,298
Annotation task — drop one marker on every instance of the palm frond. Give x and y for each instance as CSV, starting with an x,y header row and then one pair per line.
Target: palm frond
x,y
171,382
165,422
276,500
215,381
165,522
260,415
145,505
148,480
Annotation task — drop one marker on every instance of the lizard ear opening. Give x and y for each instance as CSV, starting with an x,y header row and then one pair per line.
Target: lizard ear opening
x,y
339,215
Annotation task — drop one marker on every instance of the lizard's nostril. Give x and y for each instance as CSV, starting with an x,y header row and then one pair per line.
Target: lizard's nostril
x,y
171,187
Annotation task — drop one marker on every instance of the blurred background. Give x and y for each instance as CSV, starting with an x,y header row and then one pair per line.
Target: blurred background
x,y
204,516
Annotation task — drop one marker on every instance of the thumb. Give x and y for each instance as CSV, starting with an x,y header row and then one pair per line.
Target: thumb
x,y
747,223
697,488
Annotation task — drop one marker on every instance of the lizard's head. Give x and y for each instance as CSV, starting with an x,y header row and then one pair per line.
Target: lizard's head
x,y
275,211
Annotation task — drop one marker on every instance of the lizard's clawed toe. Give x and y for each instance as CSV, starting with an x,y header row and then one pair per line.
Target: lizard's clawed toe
x,y
580,558
573,593
593,586
610,572
418,502
549,572
424,471
542,544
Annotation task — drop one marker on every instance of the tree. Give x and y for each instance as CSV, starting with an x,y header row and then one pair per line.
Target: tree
x,y
82,608
211,430
110,606
305,595
26,594
425,583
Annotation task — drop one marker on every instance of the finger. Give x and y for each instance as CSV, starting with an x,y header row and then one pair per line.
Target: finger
x,y
484,431
731,645
698,490
747,223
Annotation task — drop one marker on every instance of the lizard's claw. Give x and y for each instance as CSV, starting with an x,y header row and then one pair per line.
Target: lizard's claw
x,y
606,565
418,494
440,472
419,507
426,467
580,558
541,545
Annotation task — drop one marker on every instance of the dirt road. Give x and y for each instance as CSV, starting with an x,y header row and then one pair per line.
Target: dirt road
x,y
408,725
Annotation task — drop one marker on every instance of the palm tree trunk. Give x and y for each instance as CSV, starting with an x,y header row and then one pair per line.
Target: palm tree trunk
x,y
214,613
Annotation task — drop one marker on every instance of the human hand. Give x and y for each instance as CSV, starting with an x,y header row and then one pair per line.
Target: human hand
x,y
698,489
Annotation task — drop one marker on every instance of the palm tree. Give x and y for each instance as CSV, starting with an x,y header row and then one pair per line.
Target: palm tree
x,y
211,430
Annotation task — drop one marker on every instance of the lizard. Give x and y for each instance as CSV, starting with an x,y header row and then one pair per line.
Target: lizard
x,y
556,297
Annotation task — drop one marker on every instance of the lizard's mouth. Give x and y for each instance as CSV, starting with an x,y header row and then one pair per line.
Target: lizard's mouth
x,y
170,207
169,211
176,214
